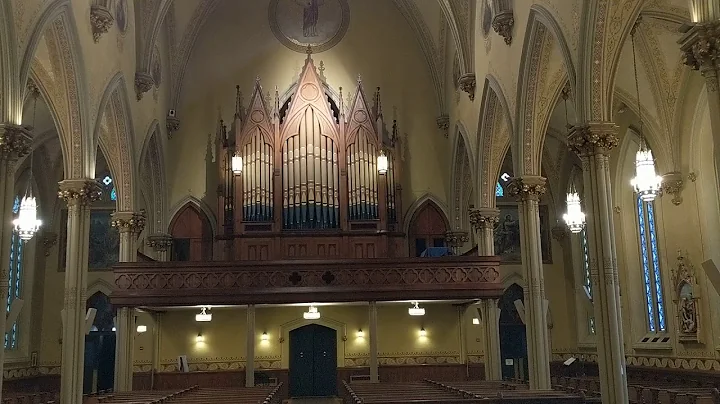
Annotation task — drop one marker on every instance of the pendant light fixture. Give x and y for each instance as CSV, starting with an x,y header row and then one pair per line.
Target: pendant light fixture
x,y
646,182
27,223
382,163
575,217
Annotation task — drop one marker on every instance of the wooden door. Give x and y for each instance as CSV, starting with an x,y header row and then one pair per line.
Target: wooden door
x,y
513,336
313,361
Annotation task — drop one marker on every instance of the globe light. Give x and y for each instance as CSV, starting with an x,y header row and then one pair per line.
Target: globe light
x,y
646,182
27,223
575,217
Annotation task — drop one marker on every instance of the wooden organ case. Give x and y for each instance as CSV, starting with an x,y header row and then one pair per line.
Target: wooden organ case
x,y
310,186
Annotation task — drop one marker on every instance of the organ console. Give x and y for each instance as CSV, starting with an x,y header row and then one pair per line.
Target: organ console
x,y
309,177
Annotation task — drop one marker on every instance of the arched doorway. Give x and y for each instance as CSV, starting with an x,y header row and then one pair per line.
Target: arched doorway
x,y
100,347
427,229
192,235
513,340
313,361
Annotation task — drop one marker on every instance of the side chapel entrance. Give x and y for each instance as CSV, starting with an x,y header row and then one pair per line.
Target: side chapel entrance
x,y
313,361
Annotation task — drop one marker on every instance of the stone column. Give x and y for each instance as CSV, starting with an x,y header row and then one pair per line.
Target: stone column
x,y
374,373
483,221
161,243
129,225
528,189
78,194
593,142
701,49
155,361
250,352
14,143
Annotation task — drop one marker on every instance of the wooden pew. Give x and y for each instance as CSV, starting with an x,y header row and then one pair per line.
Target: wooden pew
x,y
261,394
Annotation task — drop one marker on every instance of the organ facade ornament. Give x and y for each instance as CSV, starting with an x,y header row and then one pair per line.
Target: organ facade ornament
x,y
308,163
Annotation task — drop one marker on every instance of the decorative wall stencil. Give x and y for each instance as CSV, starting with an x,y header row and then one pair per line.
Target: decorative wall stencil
x,y
121,15
318,24
507,234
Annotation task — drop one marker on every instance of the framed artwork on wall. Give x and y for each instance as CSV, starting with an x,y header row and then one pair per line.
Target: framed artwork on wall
x,y
507,234
104,248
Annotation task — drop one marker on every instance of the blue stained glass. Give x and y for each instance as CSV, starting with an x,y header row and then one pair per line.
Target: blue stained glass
x,y
586,264
646,266
113,195
16,205
656,267
592,325
14,285
499,191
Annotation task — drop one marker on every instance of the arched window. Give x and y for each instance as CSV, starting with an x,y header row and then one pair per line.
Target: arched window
x,y
14,278
108,186
650,259
499,191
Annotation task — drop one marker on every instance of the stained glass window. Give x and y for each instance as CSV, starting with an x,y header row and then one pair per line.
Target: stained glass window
x,y
586,264
650,259
591,325
499,191
109,193
14,279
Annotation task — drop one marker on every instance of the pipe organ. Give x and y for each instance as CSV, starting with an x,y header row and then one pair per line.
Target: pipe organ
x,y
309,177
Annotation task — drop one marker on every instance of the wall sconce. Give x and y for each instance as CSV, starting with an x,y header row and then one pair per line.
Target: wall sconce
x,y
360,333
141,329
265,337
200,338
423,333
476,321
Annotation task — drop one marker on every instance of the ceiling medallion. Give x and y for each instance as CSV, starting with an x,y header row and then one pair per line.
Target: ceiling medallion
x,y
319,24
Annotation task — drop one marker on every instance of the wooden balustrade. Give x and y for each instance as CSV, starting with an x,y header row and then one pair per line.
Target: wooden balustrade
x,y
244,282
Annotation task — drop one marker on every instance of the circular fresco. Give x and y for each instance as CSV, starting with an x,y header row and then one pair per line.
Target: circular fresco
x,y
319,24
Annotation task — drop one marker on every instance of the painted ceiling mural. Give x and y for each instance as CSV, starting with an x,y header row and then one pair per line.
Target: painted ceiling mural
x,y
318,24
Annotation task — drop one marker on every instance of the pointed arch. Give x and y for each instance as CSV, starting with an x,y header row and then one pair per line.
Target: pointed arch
x,y
9,107
496,127
462,179
117,141
426,222
58,21
199,205
192,232
147,34
151,173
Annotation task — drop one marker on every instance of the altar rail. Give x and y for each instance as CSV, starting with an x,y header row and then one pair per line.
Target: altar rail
x,y
302,281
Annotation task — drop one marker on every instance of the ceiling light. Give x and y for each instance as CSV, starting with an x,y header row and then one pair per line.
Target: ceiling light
x,y
416,310
476,321
141,329
574,218
204,316
311,314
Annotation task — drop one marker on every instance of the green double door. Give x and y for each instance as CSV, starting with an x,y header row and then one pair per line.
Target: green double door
x,y
313,361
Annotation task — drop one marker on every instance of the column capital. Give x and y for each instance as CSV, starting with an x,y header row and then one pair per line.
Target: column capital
x,y
527,187
483,218
593,138
160,242
132,222
701,50
15,141
80,191
455,239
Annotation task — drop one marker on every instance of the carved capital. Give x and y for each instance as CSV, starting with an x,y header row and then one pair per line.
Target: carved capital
x,y
160,242
527,187
128,222
48,241
701,51
559,233
484,218
672,184
143,83
81,191
455,239
443,123
503,25
101,20
593,138
15,141
172,124
467,84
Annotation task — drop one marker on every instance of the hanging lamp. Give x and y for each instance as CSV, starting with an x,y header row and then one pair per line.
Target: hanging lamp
x,y
646,182
27,223
574,217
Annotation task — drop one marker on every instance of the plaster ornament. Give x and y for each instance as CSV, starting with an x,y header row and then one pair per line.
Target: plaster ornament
x,y
172,123
685,296
594,138
467,84
101,20
133,222
443,123
159,242
503,25
314,25
48,241
14,141
81,191
143,83
672,183
701,50
527,187
483,218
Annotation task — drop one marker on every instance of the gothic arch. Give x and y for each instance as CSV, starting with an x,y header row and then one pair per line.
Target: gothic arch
x,y
199,205
339,327
58,20
8,65
462,180
495,126
420,203
152,177
146,35
116,141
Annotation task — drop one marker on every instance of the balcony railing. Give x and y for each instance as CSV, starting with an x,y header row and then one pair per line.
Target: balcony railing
x,y
258,282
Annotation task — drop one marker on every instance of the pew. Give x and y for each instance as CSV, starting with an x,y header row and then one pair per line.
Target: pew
x,y
140,397
247,395
30,398
510,392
